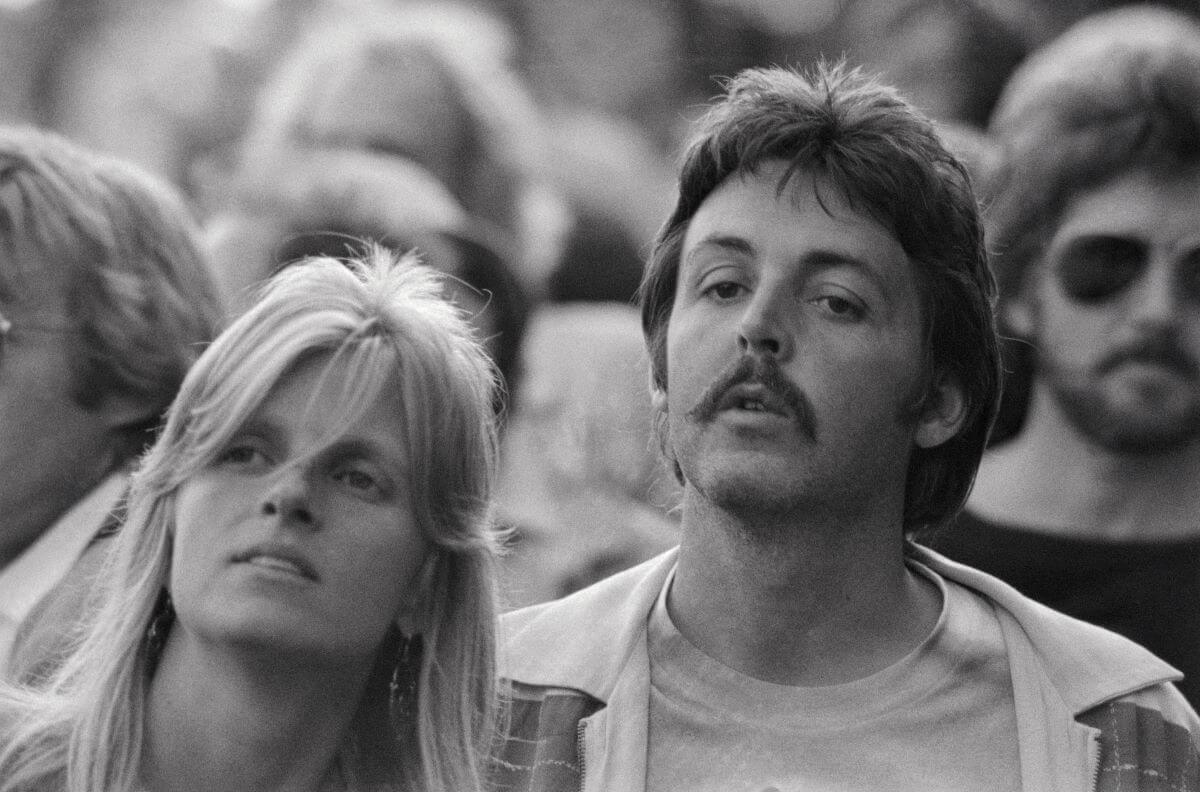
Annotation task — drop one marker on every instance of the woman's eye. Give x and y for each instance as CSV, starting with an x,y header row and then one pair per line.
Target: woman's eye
x,y
725,290
241,455
359,482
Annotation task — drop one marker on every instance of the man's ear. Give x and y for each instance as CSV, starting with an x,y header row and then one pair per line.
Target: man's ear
x,y
943,414
1018,316
1019,312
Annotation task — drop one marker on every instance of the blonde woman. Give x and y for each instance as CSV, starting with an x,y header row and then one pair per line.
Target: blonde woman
x,y
302,595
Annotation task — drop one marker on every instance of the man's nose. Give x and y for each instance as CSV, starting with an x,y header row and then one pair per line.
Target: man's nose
x,y
289,497
1157,298
764,328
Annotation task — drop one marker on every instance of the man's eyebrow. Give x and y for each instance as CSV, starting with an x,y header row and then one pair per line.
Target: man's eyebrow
x,y
815,258
829,259
1106,236
834,258
1093,241
727,242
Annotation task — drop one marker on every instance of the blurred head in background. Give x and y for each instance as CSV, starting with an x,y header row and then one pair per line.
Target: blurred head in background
x,y
1093,222
105,300
334,202
429,83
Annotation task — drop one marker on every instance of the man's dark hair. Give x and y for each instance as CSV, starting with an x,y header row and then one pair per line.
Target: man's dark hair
x,y
1119,91
889,163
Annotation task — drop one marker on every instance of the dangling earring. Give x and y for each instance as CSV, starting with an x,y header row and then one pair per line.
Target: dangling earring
x,y
402,700
160,626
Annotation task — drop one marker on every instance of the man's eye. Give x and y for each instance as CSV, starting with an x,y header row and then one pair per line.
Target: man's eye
x,y
840,306
1098,269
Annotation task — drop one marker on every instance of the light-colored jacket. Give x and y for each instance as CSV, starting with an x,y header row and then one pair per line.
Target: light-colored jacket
x,y
1094,710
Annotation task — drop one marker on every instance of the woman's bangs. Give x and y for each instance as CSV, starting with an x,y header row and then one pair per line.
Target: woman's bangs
x,y
358,372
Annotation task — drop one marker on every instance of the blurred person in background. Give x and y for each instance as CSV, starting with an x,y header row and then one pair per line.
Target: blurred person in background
x,y
302,595
105,300
581,485
164,84
824,371
1092,507
333,202
427,82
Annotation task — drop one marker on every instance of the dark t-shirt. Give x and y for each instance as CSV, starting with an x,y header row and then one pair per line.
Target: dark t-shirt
x,y
1146,591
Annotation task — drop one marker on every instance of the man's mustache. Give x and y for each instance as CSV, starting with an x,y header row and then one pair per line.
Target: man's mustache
x,y
763,371
1165,350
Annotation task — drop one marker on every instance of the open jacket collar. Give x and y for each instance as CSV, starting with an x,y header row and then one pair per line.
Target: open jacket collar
x,y
585,641
1086,664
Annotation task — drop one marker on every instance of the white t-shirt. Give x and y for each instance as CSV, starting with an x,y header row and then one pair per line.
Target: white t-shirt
x,y
941,718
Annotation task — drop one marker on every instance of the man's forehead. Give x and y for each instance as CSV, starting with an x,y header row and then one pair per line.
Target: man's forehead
x,y
1139,203
800,185
719,219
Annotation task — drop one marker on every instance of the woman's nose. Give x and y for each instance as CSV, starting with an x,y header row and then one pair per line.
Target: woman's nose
x,y
288,497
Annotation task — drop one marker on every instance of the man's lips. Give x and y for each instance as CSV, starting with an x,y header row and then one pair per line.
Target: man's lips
x,y
277,556
1163,356
755,384
755,397
1175,366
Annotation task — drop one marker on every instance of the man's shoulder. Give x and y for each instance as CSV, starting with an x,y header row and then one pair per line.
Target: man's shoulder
x,y
1150,733
598,598
1088,665
580,641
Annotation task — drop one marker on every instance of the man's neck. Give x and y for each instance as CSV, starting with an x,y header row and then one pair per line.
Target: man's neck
x,y
23,523
23,527
808,601
1053,479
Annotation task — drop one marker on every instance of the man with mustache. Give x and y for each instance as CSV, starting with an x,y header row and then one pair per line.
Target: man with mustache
x,y
1093,506
824,366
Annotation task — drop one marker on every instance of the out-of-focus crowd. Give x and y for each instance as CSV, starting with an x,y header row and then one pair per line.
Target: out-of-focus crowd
x,y
524,146
320,318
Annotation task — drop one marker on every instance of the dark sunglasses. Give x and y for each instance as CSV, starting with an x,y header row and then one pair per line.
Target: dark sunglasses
x,y
1097,269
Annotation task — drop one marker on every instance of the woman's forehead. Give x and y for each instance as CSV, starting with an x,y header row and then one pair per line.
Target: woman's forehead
x,y
336,394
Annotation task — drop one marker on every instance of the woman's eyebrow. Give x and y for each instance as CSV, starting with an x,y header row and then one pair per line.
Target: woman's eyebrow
x,y
260,426
366,448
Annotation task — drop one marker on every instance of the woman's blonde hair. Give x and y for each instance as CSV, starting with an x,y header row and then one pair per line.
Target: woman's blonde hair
x,y
375,318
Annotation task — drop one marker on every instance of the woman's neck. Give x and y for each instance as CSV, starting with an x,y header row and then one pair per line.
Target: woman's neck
x,y
234,719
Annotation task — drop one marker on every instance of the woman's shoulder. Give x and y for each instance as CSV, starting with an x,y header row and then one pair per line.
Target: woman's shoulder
x,y
19,708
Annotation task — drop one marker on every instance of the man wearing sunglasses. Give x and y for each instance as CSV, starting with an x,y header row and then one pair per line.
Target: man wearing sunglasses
x,y
104,300
1093,506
